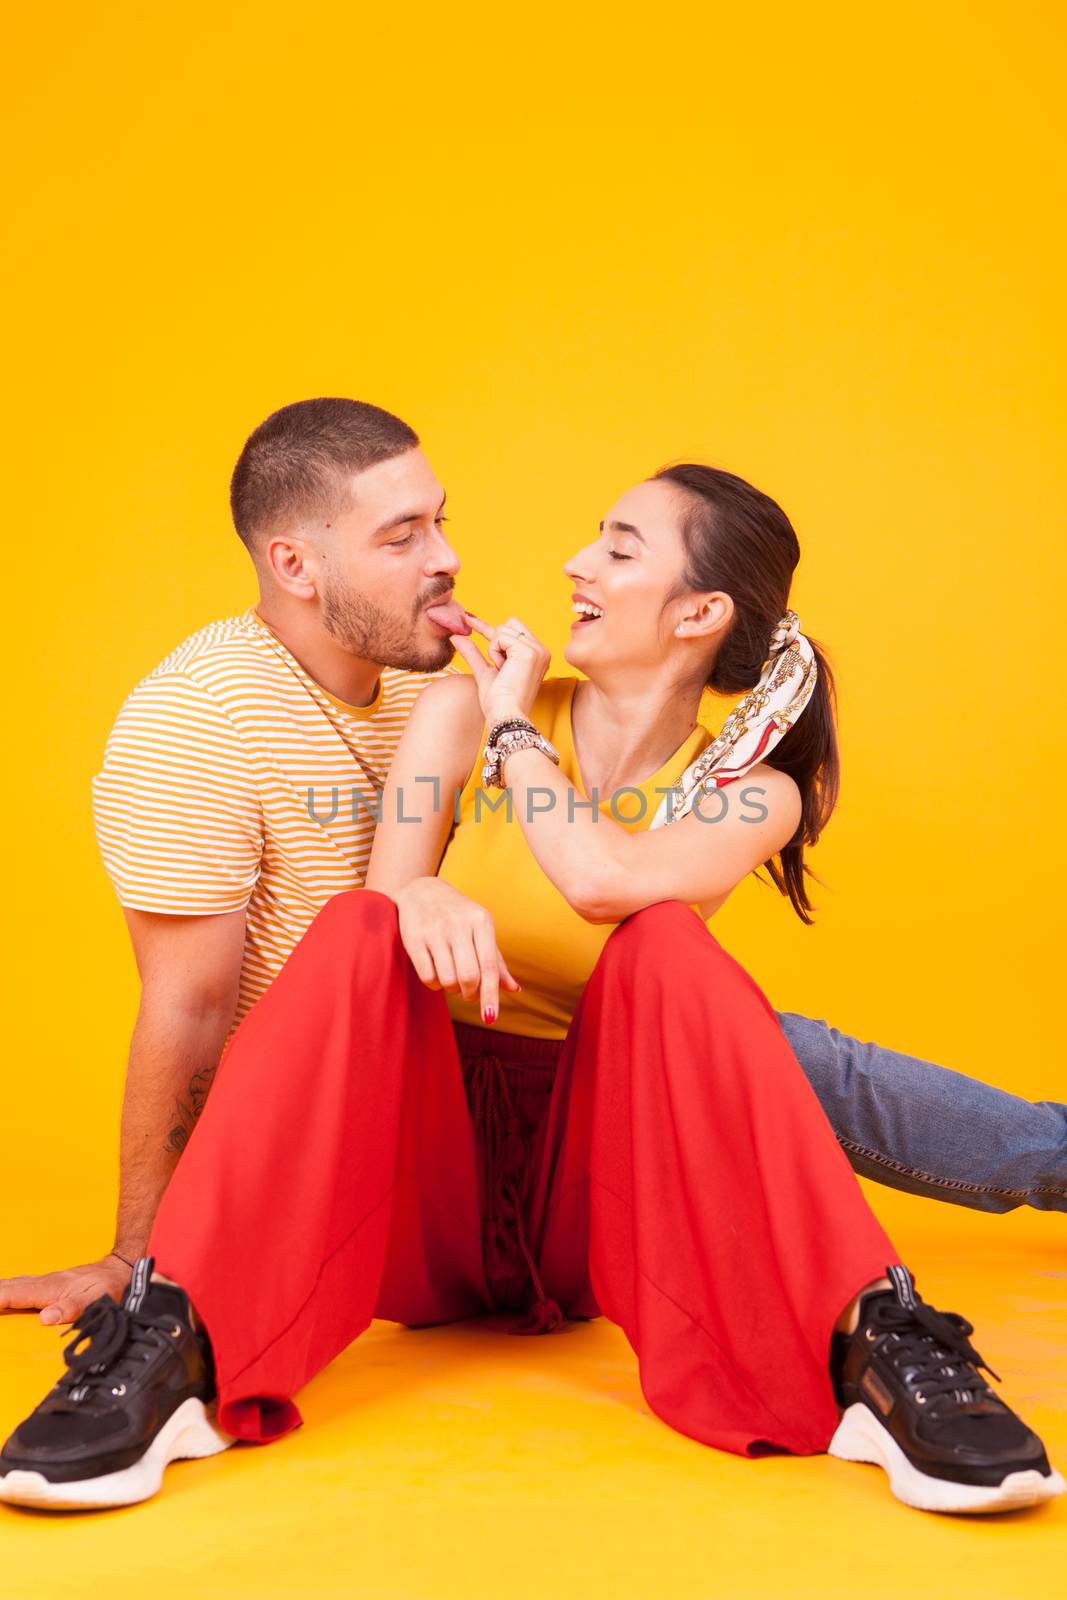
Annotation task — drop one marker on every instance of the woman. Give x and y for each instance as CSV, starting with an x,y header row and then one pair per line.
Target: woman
x,y
747,1226
604,1115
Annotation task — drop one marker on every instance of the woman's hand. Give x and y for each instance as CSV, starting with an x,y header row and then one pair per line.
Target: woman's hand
x,y
508,682
452,943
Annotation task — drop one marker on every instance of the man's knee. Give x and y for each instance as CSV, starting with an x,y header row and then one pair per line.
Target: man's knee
x,y
810,1039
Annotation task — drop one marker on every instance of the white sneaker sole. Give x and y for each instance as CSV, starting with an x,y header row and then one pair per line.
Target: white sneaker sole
x,y
861,1437
189,1434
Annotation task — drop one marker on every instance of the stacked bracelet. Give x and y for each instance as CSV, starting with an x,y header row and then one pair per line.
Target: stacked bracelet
x,y
505,737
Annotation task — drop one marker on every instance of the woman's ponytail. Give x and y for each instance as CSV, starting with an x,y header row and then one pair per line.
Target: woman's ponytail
x,y
740,541
809,753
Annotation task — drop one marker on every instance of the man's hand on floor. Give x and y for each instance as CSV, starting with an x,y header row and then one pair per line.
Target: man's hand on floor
x,y
62,1296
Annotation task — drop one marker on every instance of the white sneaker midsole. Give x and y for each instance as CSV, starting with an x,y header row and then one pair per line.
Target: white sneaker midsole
x,y
188,1434
861,1437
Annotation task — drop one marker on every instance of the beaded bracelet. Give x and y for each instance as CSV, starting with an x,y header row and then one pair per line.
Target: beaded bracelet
x,y
505,738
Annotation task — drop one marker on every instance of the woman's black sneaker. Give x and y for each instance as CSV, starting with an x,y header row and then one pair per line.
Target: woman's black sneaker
x,y
137,1395
917,1405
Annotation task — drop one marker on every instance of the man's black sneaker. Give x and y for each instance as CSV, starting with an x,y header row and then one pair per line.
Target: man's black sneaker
x,y
137,1395
916,1404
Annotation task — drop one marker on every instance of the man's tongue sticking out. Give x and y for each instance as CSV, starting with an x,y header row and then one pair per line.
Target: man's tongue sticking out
x,y
449,614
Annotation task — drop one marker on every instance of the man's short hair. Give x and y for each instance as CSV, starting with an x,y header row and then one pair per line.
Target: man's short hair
x,y
294,464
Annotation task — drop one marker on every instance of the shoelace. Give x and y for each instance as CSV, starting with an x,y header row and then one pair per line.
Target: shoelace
x,y
110,1341
936,1346
505,1154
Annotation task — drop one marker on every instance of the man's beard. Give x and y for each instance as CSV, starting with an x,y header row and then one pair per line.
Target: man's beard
x,y
371,633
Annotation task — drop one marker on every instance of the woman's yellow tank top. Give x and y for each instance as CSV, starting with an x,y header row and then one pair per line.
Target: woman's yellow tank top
x,y
548,947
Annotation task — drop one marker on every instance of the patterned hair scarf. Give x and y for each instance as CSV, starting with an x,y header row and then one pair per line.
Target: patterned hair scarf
x,y
754,726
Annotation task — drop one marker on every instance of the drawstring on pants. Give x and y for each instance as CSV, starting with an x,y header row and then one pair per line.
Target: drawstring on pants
x,y
505,1155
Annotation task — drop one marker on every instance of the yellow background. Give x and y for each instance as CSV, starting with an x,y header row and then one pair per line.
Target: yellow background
x,y
821,247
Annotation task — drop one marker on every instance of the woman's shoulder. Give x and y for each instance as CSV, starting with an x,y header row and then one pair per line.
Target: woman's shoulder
x,y
449,702
450,687
777,792
773,777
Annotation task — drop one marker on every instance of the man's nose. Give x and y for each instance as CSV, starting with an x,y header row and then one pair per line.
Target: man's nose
x,y
442,558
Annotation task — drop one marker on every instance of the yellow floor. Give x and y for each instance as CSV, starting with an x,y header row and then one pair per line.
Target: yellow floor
x,y
458,1462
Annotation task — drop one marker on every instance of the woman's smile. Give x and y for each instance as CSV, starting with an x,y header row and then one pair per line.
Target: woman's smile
x,y
588,611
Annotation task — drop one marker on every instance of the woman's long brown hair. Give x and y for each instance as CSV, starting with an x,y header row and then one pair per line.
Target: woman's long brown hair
x,y
740,541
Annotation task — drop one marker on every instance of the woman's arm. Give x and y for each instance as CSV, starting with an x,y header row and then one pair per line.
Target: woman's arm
x,y
606,872
433,760
450,939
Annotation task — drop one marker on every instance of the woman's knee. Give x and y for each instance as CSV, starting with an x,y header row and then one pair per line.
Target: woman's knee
x,y
359,914
655,934
669,944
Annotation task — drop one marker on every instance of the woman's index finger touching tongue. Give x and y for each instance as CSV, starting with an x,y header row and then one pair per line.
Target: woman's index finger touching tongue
x,y
479,625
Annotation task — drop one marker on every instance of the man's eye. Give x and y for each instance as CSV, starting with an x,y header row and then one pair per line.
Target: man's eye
x,y
398,544
440,519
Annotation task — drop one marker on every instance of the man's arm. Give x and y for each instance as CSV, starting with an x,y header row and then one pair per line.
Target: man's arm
x,y
189,969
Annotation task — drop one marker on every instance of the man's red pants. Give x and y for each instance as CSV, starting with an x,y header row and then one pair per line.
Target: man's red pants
x,y
667,1165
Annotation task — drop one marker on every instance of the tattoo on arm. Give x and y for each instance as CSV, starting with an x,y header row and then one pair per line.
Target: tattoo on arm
x,y
186,1111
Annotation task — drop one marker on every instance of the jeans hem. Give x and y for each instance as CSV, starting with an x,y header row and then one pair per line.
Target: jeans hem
x,y
952,1186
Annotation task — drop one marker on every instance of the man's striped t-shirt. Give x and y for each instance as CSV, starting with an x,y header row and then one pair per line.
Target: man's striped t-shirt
x,y
232,779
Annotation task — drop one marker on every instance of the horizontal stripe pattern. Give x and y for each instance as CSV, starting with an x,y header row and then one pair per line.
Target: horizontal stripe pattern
x,y
232,779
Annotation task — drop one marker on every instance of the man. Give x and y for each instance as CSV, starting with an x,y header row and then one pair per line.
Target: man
x,y
237,796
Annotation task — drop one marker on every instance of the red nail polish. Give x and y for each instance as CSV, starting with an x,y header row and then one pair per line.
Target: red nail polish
x,y
489,1014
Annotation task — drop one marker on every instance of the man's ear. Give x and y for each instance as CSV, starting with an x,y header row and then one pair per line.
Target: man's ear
x,y
706,616
293,564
